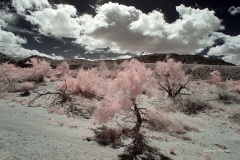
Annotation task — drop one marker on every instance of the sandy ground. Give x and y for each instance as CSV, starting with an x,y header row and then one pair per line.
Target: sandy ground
x,y
28,133
34,133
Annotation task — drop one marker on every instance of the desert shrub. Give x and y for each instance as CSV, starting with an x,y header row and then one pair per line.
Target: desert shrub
x,y
39,70
25,87
9,76
88,83
172,77
61,69
133,80
192,106
235,118
233,85
108,136
215,78
161,121
104,71
227,98
139,149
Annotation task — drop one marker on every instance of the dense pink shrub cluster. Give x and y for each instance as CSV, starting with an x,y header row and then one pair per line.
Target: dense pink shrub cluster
x,y
133,80
10,74
172,77
86,81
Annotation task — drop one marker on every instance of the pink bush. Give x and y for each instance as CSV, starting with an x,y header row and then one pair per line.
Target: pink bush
x,y
86,82
62,69
135,79
233,85
9,72
26,86
39,70
172,77
105,72
215,78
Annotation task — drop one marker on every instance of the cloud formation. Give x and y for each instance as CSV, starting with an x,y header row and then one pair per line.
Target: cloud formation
x,y
6,18
230,49
234,10
38,39
58,21
11,44
22,5
126,29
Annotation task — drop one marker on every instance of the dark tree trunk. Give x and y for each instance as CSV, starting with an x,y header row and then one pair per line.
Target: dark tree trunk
x,y
138,125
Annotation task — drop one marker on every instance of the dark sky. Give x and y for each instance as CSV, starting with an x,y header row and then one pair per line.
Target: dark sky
x,y
96,29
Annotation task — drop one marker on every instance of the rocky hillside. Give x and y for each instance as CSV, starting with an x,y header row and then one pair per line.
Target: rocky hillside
x,y
185,59
4,58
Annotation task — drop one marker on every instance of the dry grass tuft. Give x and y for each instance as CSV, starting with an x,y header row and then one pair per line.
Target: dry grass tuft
x,y
162,121
192,106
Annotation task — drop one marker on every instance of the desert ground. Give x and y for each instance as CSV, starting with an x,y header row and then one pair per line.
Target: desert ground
x,y
37,130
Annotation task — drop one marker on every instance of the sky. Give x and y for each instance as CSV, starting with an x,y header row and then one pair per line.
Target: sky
x,y
113,29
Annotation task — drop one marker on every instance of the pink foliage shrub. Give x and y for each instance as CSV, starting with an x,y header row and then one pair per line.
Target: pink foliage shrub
x,y
86,82
233,85
9,72
135,79
172,77
62,69
9,76
39,70
26,86
215,78
105,72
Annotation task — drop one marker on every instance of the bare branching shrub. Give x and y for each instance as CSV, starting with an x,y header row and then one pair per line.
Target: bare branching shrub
x,y
139,149
192,106
172,77
108,136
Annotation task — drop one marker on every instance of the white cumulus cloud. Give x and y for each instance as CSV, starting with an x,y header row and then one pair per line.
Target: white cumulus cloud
x,y
126,29
6,18
11,44
58,21
234,10
22,5
230,49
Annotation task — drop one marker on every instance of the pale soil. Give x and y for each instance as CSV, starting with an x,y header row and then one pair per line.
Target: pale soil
x,y
33,133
